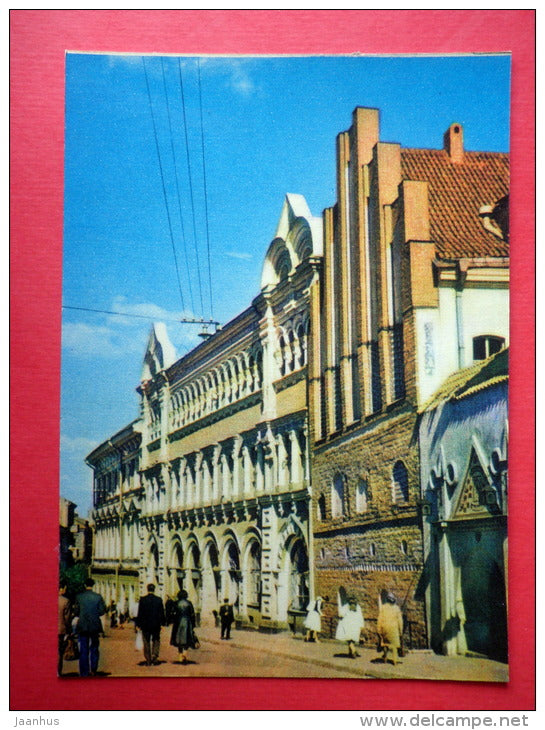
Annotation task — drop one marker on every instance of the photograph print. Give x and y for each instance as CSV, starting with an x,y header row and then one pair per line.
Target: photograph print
x,y
285,339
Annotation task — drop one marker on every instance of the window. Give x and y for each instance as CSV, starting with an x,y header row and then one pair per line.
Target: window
x,y
337,496
254,582
321,507
400,483
361,496
486,345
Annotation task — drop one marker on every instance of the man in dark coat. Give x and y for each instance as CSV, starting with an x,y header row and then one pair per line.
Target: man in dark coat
x,y
226,619
65,628
150,618
89,608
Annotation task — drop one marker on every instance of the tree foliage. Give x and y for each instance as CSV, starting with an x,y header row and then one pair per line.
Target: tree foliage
x,y
74,578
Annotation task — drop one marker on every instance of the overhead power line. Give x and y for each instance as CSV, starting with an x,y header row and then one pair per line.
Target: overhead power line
x,y
177,188
190,186
163,183
205,194
182,320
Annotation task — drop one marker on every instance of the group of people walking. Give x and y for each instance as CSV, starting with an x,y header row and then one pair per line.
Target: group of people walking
x,y
81,625
351,622
82,619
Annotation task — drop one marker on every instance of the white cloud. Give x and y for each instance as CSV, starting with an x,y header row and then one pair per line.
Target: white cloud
x,y
145,309
237,72
239,255
117,336
88,340
241,81
75,445
128,59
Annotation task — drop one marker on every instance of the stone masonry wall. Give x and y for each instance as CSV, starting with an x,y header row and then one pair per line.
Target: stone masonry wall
x,y
381,547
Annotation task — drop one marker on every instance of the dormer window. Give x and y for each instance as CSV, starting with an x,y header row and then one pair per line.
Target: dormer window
x,y
486,345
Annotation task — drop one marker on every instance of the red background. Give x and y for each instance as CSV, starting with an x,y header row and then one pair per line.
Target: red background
x,y
39,39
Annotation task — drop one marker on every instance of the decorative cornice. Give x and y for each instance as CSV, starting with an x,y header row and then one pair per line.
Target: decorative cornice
x,y
229,410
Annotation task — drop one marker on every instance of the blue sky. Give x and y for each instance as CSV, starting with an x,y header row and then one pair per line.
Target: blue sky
x,y
269,129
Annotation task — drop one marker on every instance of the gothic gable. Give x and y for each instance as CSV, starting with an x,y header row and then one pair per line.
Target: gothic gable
x,y
477,497
160,353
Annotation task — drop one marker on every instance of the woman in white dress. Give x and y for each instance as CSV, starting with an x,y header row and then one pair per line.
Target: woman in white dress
x,y
350,625
313,620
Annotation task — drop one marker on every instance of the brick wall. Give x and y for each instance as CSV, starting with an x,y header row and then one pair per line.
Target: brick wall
x,y
381,547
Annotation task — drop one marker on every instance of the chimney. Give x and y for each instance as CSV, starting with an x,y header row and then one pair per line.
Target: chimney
x,y
453,143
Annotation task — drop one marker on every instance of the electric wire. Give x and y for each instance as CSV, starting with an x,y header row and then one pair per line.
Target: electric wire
x,y
205,194
190,186
163,183
117,314
177,187
185,320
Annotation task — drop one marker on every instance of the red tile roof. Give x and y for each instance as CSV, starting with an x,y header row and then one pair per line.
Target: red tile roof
x,y
456,193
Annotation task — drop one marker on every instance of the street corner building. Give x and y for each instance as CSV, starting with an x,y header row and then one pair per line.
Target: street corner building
x,y
289,454
210,489
413,287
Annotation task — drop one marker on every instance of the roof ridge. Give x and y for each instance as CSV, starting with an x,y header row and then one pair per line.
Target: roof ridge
x,y
444,152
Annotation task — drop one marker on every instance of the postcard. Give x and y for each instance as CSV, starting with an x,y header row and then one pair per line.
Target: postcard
x,y
285,338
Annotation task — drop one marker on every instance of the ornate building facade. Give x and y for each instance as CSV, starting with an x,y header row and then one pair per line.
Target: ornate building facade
x,y
279,459
210,489
463,462
414,286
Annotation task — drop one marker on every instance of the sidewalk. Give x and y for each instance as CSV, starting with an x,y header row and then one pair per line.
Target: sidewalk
x,y
254,654
333,655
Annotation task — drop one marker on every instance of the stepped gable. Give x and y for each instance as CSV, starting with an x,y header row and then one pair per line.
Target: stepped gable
x,y
457,191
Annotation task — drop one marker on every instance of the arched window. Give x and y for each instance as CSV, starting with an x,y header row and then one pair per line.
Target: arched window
x,y
486,345
291,351
254,574
302,354
282,346
298,576
400,483
321,507
338,496
362,496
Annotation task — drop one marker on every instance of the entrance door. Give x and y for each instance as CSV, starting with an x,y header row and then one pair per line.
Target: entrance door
x,y
483,594
298,577
232,575
211,584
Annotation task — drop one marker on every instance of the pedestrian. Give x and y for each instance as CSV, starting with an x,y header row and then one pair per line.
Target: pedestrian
x,y
90,607
65,624
389,626
350,625
313,620
150,618
183,635
226,619
113,614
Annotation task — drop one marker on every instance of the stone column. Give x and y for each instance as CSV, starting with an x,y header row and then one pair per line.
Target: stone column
x,y
216,474
198,479
237,446
296,471
268,565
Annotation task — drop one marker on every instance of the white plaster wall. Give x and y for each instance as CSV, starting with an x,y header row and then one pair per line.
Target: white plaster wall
x,y
485,311
429,347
